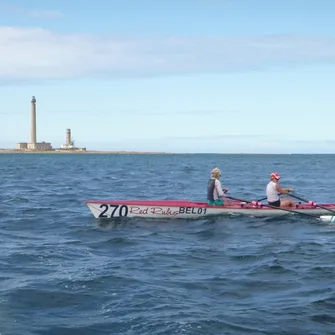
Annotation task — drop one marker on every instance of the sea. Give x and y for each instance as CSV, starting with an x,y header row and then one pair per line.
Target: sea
x,y
64,272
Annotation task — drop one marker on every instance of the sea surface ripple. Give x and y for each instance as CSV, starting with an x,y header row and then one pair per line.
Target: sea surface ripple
x,y
64,272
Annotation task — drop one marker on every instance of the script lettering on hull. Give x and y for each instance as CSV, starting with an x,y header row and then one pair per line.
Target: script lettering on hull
x,y
164,211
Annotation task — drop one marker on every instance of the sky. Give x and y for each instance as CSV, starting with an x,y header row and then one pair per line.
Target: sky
x,y
200,76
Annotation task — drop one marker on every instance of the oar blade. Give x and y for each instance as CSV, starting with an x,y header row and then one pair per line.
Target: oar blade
x,y
328,218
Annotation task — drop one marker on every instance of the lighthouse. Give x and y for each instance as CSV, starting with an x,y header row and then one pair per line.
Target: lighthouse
x,y
33,145
33,123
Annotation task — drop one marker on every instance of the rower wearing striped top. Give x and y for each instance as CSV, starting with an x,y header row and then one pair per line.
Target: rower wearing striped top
x,y
272,190
215,193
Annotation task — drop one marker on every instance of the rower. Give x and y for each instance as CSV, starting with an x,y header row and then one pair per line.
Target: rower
x,y
215,193
272,190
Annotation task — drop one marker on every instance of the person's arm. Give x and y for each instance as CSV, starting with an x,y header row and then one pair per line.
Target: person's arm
x,y
219,188
283,190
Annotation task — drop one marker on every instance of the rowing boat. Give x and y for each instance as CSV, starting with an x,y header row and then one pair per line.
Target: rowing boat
x,y
185,209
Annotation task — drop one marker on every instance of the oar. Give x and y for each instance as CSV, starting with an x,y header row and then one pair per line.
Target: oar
x,y
280,208
261,198
314,203
226,190
279,194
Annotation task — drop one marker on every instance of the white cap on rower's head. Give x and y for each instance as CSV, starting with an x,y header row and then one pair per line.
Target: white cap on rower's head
x,y
216,173
274,175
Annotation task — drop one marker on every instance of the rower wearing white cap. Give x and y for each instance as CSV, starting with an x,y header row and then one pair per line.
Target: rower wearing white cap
x,y
272,190
215,193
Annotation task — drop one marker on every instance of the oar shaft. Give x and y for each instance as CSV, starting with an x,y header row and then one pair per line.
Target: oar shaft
x,y
323,207
266,198
280,208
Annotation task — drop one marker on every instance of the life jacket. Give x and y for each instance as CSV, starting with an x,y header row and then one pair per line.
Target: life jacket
x,y
210,189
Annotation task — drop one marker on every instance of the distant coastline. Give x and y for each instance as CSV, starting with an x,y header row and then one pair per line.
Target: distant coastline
x,y
124,152
73,152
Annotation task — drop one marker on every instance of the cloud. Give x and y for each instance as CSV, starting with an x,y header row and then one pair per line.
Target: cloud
x,y
223,137
35,54
48,14
36,13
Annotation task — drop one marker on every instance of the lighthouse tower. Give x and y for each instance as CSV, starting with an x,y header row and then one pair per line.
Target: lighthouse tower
x,y
32,144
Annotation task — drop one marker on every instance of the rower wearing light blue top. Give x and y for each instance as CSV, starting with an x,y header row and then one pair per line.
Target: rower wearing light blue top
x,y
215,193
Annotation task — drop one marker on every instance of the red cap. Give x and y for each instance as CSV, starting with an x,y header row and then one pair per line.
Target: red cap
x,y
275,175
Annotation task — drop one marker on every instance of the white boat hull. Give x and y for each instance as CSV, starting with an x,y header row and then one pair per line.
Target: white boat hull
x,y
191,210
